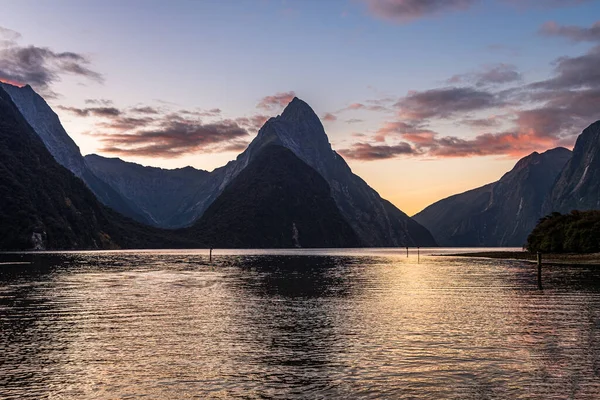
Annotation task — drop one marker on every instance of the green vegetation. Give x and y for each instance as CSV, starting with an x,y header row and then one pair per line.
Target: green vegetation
x,y
577,232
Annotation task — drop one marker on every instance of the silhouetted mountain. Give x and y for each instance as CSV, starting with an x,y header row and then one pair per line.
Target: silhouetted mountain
x,y
47,126
276,201
578,185
43,205
156,193
173,199
376,221
501,213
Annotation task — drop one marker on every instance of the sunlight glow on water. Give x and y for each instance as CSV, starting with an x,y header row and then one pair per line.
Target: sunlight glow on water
x,y
331,324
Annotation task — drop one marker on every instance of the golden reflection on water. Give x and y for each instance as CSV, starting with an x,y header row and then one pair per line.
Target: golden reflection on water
x,y
168,325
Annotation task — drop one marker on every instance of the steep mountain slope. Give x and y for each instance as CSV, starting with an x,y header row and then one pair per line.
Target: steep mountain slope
x,y
376,221
276,201
47,126
501,213
43,205
155,192
177,199
578,185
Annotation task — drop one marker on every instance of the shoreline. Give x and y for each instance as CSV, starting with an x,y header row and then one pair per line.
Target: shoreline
x,y
573,259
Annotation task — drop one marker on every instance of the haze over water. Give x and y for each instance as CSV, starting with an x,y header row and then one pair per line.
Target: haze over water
x,y
298,323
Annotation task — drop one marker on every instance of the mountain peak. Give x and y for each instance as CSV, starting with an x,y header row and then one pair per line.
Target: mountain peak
x,y
297,109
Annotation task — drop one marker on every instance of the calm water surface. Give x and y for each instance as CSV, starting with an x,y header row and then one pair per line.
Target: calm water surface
x,y
295,324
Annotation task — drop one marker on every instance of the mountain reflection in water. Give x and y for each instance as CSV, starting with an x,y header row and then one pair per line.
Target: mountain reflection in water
x,y
295,324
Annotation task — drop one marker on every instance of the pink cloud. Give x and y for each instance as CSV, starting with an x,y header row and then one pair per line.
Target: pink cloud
x,y
278,100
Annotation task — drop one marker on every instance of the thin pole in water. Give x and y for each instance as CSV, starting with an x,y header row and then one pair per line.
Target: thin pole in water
x,y
407,252
210,255
418,255
539,265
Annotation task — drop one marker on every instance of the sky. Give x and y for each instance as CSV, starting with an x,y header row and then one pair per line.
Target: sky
x,y
423,98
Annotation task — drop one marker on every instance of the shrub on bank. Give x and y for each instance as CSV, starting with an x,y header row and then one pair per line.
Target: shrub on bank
x,y
577,232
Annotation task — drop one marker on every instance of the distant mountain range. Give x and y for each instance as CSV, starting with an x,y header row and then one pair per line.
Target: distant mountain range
x,y
324,203
45,206
502,213
288,188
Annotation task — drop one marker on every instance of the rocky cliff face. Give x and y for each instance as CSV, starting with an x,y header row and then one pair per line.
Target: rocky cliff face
x,y
156,193
44,206
499,214
376,221
276,201
47,126
174,199
578,185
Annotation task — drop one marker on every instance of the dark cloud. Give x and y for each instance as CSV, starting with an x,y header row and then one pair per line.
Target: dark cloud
x,y
497,74
276,101
157,132
574,33
92,111
214,112
403,11
174,138
145,110
507,143
445,103
368,152
329,117
41,66
574,73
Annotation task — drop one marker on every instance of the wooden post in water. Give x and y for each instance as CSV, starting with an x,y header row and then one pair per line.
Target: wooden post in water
x,y
539,267
406,251
418,255
210,256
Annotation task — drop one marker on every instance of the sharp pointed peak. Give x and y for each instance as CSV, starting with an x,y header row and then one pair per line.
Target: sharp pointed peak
x,y
297,107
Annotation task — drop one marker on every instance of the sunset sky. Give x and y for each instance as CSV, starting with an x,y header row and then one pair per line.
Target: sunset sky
x,y
424,99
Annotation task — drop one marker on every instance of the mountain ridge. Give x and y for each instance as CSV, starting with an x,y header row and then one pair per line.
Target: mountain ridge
x,y
578,185
501,213
46,124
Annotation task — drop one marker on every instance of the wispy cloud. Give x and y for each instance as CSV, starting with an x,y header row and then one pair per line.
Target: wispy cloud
x,y
92,111
150,131
174,138
446,102
403,11
369,152
329,117
276,101
497,74
39,66
573,33
406,11
522,118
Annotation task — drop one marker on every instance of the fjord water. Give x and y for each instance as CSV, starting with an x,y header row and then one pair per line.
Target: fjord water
x,y
295,324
